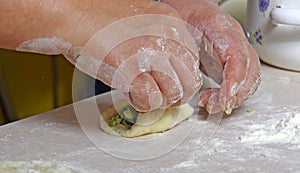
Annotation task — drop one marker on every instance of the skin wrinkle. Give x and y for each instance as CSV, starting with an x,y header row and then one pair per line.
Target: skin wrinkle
x,y
145,88
196,83
211,102
183,58
90,22
254,87
178,83
177,88
174,88
195,69
234,89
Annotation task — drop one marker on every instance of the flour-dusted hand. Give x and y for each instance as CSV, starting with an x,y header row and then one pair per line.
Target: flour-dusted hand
x,y
225,54
154,71
148,57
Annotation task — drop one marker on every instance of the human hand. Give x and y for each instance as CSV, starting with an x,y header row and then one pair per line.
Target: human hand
x,y
154,71
225,54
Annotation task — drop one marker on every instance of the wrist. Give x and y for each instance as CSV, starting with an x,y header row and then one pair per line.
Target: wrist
x,y
193,6
88,17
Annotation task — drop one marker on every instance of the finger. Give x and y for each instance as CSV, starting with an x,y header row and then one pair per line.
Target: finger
x,y
144,93
253,73
166,78
234,75
204,96
128,78
232,53
210,100
253,77
210,62
237,26
213,105
132,77
187,69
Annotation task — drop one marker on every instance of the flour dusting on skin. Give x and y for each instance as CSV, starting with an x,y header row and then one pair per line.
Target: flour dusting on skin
x,y
286,130
51,46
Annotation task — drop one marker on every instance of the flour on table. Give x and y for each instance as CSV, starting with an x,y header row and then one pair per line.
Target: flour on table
x,y
32,167
286,130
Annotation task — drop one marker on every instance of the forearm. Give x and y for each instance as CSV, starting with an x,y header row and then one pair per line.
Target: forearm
x,y
70,22
184,7
189,1
28,19
60,22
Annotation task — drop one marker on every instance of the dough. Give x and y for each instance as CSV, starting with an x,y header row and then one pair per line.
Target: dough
x,y
143,123
32,167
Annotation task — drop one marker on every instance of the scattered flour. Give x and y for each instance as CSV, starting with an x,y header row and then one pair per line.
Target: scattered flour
x,y
287,130
189,164
32,167
186,164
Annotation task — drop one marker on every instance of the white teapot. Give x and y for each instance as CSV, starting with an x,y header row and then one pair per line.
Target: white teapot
x,y
273,29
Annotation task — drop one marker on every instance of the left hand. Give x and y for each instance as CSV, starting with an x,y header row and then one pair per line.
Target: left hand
x,y
225,54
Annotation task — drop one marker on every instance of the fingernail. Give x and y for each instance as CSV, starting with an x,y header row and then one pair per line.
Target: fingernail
x,y
229,106
155,100
201,103
228,111
209,109
213,109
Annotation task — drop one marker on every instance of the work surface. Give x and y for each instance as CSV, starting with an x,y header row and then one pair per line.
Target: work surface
x,y
265,139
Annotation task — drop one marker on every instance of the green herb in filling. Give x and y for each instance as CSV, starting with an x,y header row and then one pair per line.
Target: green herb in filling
x,y
112,123
129,114
127,117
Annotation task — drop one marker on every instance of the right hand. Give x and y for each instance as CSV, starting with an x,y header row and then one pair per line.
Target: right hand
x,y
162,73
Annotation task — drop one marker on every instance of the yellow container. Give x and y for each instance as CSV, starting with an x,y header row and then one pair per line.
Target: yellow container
x,y
1,116
33,83
63,81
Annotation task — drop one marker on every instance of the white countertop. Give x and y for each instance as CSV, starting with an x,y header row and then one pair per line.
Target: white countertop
x,y
56,136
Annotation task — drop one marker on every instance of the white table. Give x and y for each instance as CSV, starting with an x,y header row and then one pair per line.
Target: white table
x,y
56,136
